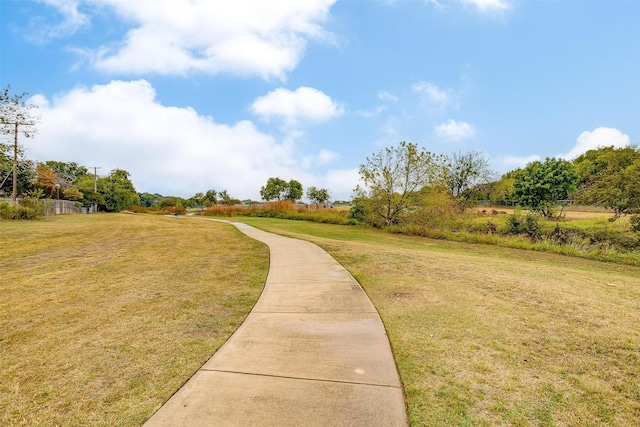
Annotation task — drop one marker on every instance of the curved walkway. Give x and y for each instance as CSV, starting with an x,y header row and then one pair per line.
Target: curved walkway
x,y
313,351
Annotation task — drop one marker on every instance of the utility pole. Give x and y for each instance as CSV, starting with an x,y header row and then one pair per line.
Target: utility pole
x,y
95,184
14,194
95,177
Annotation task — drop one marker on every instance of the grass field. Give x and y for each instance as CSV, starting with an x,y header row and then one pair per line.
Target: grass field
x,y
485,335
103,317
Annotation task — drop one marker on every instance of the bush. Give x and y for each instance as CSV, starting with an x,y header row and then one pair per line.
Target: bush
x,y
634,222
28,210
528,224
6,211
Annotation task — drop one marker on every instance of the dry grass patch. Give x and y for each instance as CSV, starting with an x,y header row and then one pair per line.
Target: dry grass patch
x,y
495,336
103,317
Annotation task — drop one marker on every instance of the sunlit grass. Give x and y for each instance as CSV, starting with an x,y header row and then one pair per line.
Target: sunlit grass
x,y
104,317
487,335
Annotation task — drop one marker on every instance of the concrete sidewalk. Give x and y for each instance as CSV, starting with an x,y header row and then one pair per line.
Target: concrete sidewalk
x,y
313,352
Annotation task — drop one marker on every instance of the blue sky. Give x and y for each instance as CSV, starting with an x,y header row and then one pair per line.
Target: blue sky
x,y
191,95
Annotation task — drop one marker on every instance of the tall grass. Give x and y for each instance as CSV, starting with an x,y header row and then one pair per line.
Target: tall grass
x,y
285,209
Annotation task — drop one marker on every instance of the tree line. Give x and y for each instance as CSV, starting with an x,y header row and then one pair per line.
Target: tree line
x,y
400,184
406,184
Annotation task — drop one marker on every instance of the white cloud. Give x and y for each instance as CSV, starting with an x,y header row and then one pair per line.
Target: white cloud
x,y
371,113
303,104
515,162
440,98
386,96
40,30
246,37
169,150
489,6
599,137
433,92
341,183
455,131
325,157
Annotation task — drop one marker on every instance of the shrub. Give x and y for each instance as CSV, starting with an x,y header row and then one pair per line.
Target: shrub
x,y
6,211
528,224
28,210
634,222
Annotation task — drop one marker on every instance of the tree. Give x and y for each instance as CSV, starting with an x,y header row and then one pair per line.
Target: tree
x,y
541,184
67,173
318,196
279,189
610,177
85,185
211,197
16,117
465,174
47,180
26,176
118,191
226,199
149,200
293,191
198,200
393,178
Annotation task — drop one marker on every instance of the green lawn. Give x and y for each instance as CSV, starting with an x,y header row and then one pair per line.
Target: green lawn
x,y
485,335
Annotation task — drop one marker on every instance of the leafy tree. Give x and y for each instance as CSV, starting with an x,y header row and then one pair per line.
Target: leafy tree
x,y
541,184
16,118
72,193
26,176
318,196
294,190
279,189
85,185
149,200
465,176
67,173
118,191
610,177
47,180
211,197
274,189
392,179
198,200
226,199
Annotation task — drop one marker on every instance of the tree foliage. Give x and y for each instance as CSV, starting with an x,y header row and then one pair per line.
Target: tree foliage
x,y
226,199
279,189
610,177
541,184
16,116
318,196
392,180
117,191
465,176
13,110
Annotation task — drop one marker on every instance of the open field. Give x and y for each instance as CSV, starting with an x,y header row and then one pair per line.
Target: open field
x,y
103,317
486,335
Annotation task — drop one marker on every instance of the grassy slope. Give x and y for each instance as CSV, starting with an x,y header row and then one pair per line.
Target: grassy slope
x,y
103,317
494,336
